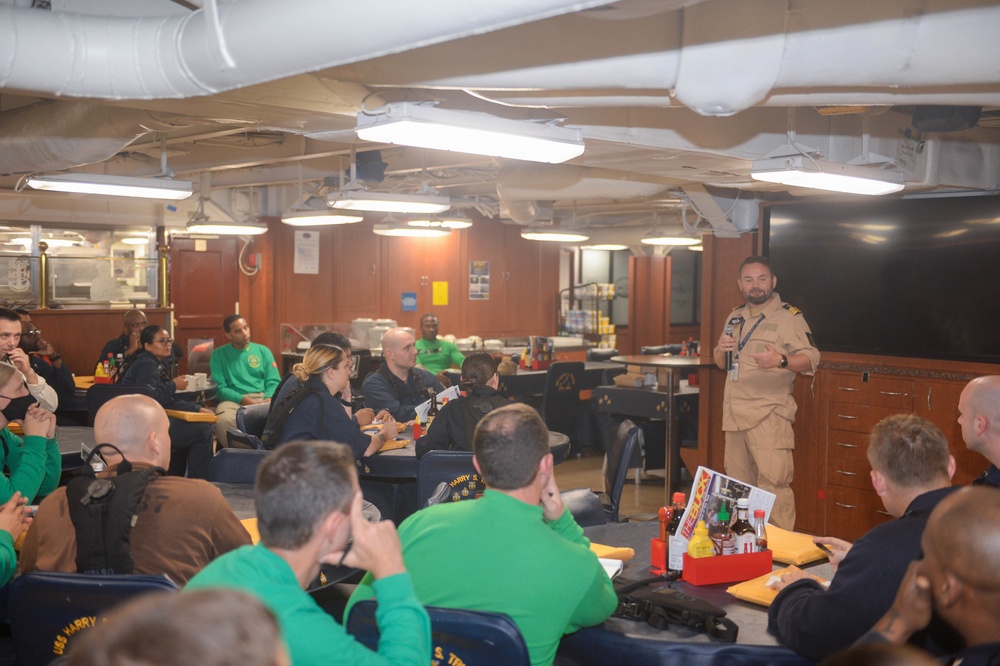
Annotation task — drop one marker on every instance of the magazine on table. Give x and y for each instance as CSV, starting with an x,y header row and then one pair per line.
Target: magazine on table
x,y
449,393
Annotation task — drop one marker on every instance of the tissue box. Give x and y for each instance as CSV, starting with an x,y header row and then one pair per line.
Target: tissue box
x,y
726,568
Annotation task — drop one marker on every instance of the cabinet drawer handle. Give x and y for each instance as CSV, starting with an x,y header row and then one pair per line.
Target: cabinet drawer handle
x,y
848,417
884,513
893,393
847,446
845,506
840,471
848,389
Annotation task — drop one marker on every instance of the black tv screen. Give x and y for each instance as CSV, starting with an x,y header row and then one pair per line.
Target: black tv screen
x,y
916,277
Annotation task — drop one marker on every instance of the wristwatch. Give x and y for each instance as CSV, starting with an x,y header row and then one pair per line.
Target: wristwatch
x,y
783,363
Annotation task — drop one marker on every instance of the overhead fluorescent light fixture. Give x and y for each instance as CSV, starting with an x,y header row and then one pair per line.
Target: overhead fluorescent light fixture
x,y
445,222
208,227
697,248
802,171
424,126
386,202
134,240
554,235
656,238
611,247
116,186
406,231
318,218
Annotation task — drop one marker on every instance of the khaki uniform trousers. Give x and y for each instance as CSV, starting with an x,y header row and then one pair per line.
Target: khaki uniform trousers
x,y
762,456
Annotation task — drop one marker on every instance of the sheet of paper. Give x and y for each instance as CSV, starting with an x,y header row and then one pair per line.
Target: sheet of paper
x,y
450,393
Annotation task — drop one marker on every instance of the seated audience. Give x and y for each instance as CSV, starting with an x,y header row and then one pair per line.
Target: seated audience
x,y
363,416
182,524
32,465
46,361
310,410
958,579
12,354
456,421
911,472
192,442
207,628
244,371
979,416
398,385
127,344
308,510
13,521
556,587
434,354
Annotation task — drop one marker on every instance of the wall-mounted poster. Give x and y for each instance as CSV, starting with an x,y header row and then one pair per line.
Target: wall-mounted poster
x,y
479,280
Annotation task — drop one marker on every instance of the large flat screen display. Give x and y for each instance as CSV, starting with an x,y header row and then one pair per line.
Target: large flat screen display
x,y
916,277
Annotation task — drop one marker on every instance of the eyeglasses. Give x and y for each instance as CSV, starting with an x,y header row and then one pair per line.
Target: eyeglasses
x,y
34,333
164,341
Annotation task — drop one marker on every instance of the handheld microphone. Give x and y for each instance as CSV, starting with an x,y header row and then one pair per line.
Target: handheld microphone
x,y
729,354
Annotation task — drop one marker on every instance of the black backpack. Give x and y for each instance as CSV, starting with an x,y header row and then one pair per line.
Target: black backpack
x,y
104,511
279,414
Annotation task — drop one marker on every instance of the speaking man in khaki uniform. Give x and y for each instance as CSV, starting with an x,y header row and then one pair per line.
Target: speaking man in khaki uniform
x,y
764,344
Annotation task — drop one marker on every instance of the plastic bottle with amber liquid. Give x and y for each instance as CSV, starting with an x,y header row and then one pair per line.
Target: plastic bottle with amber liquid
x,y
721,534
744,535
760,530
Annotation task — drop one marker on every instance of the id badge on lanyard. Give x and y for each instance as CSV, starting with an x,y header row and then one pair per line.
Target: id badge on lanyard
x,y
734,374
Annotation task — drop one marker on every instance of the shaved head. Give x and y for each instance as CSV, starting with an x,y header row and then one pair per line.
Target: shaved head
x,y
979,416
399,351
963,536
138,426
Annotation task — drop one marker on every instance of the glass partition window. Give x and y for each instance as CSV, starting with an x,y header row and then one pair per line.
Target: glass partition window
x,y
86,267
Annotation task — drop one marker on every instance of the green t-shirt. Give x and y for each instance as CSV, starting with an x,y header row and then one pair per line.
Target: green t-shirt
x,y
439,355
239,372
313,637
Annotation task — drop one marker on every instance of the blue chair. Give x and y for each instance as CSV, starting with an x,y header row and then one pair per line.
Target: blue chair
x,y
583,503
237,439
660,349
473,637
452,468
98,394
235,465
251,419
50,610
595,354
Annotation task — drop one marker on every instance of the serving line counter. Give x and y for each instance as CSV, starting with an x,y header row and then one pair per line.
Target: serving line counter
x,y
621,641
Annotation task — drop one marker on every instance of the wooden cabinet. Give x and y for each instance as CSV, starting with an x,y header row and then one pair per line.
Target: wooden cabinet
x,y
808,455
524,279
853,402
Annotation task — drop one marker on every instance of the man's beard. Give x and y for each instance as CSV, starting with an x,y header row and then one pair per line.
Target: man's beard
x,y
759,300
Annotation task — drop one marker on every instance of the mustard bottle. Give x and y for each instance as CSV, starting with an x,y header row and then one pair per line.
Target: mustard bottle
x,y
701,544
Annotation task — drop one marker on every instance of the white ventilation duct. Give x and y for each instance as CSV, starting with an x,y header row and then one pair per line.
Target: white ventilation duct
x,y
235,45
719,58
49,135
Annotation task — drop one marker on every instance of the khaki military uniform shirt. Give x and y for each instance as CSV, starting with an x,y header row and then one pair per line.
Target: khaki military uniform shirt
x,y
758,392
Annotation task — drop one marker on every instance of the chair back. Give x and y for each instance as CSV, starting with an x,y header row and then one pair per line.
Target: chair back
x,y
453,468
595,354
627,440
50,610
251,419
462,636
237,439
98,394
585,507
561,401
235,465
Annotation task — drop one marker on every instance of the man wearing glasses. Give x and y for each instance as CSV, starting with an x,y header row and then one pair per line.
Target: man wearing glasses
x,y
10,352
45,360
